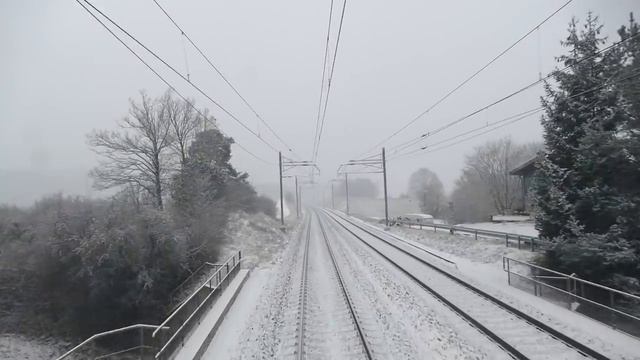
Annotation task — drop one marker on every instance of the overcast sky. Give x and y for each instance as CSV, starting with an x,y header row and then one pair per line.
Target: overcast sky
x,y
63,75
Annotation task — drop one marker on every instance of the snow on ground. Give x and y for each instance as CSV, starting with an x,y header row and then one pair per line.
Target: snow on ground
x,y
479,261
286,210
526,228
23,348
258,236
255,321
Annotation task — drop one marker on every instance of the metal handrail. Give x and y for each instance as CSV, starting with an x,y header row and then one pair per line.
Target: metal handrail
x,y
177,288
573,277
226,270
578,296
110,332
173,314
469,230
532,240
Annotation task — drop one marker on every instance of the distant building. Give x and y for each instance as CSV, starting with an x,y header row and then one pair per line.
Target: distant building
x,y
526,171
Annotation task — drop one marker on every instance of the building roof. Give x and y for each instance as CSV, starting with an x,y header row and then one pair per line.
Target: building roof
x,y
527,168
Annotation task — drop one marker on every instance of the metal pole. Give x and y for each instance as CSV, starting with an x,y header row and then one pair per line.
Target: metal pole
x,y
297,203
346,182
333,203
281,197
386,201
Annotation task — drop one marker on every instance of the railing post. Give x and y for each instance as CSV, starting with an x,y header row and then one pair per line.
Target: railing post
x,y
508,272
532,245
141,343
476,234
506,240
518,242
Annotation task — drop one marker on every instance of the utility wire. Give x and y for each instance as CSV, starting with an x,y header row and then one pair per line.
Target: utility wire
x,y
447,95
160,76
324,70
433,147
333,65
518,117
182,76
217,70
504,98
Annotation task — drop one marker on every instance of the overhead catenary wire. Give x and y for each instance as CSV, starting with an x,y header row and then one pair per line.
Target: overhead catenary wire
x,y
155,72
173,69
498,125
518,117
226,80
465,81
510,95
324,71
329,80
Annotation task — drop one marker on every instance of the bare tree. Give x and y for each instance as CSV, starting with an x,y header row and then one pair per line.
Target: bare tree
x,y
185,122
426,187
134,155
492,163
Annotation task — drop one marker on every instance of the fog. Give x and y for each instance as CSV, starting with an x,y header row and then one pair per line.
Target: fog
x,y
63,75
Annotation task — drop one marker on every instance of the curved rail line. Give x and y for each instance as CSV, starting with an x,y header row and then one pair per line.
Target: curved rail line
x,y
303,292
347,297
539,325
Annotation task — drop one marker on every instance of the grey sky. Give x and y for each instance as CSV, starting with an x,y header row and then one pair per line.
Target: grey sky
x,y
63,75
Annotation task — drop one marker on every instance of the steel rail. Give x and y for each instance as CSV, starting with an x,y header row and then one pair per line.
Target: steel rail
x,y
303,292
539,325
347,297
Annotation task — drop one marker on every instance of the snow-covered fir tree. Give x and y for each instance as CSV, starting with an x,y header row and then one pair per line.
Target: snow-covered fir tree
x,y
588,184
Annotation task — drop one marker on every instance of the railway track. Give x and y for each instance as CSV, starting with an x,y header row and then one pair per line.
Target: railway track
x,y
345,292
517,333
305,310
302,298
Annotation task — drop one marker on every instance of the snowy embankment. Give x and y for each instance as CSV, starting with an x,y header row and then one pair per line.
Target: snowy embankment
x,y
258,236
254,323
480,261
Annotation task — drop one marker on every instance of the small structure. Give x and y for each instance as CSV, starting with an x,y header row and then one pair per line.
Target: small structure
x,y
526,171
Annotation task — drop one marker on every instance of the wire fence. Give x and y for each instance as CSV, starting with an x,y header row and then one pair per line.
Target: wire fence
x,y
615,308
